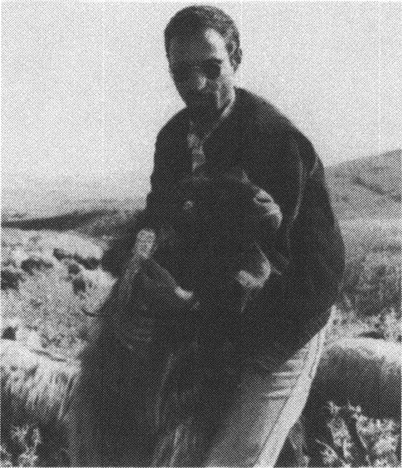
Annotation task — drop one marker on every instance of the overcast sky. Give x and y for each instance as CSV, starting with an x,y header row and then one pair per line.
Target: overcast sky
x,y
85,86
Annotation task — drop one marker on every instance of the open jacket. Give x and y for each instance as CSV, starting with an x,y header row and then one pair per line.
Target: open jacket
x,y
276,156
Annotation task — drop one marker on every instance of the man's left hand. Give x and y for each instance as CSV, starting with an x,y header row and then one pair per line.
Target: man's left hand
x,y
160,291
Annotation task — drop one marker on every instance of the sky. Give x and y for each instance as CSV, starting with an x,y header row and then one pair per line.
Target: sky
x,y
86,88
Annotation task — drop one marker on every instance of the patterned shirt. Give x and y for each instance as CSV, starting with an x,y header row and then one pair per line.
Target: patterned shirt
x,y
197,137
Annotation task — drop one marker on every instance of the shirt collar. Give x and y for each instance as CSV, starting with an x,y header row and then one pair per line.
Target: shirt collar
x,y
202,133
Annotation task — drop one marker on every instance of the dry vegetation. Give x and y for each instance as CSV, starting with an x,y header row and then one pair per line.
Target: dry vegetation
x,y
371,297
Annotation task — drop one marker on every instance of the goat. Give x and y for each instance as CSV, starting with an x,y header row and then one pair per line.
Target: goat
x,y
141,405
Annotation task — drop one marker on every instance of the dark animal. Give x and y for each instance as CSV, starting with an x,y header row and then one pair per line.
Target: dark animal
x,y
88,262
79,284
152,389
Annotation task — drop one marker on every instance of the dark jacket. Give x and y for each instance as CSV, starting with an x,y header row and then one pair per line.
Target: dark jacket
x,y
294,305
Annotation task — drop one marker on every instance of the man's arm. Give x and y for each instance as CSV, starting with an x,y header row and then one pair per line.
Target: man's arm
x,y
294,304
161,197
152,217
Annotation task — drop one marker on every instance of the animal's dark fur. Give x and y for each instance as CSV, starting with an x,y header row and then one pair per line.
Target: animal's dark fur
x,y
162,406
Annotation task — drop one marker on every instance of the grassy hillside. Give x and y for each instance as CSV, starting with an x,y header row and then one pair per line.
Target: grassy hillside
x,y
367,187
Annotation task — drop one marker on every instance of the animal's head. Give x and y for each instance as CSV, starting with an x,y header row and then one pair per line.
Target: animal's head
x,y
217,222
226,206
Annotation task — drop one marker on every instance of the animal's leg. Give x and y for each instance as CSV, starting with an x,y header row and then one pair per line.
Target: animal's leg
x,y
292,453
189,403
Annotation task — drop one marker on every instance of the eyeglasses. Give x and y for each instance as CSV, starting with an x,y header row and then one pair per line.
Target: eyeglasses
x,y
211,70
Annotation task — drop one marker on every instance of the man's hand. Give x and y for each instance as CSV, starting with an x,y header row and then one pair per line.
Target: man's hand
x,y
266,215
160,292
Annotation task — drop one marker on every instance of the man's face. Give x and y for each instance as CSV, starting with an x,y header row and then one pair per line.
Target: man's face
x,y
202,71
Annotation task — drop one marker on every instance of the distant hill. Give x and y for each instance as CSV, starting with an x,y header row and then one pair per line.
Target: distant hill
x,y
368,187
365,188
29,199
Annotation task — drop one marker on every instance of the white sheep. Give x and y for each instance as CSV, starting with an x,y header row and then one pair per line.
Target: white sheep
x,y
36,386
364,372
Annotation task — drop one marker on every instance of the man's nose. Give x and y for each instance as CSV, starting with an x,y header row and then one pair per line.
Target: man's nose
x,y
197,80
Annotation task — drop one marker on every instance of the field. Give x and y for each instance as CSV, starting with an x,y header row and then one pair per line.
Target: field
x,y
51,279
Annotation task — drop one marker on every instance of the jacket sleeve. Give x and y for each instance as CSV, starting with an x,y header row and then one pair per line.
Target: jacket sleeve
x,y
294,304
161,198
153,216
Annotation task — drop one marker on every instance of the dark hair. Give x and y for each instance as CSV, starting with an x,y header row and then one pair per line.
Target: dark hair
x,y
193,19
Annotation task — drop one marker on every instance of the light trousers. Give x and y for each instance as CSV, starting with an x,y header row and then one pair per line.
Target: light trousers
x,y
269,400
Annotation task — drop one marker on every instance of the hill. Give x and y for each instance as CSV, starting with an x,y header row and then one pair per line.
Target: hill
x,y
365,188
368,187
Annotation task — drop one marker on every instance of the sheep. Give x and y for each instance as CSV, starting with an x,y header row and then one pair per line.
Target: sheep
x,y
10,328
364,372
83,279
79,284
36,262
36,389
16,256
87,255
353,372
36,385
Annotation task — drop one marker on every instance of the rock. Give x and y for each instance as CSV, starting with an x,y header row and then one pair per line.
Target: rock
x,y
36,262
79,284
11,278
73,267
90,263
10,328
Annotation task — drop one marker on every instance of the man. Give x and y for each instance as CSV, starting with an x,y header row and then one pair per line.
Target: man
x,y
283,331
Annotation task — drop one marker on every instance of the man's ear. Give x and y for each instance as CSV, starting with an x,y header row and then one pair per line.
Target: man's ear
x,y
235,58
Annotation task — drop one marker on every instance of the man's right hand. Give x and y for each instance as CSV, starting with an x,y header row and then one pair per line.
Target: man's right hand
x,y
267,214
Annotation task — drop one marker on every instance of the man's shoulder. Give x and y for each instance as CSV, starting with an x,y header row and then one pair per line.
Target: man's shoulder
x,y
260,115
175,126
261,118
